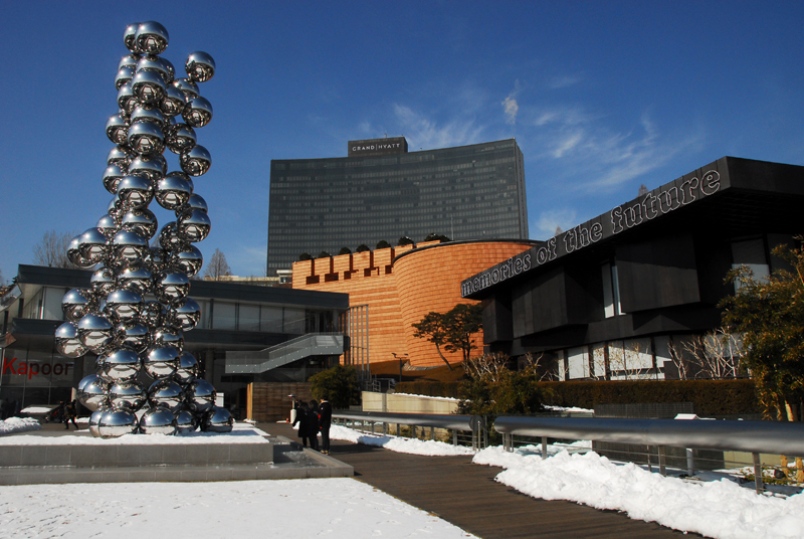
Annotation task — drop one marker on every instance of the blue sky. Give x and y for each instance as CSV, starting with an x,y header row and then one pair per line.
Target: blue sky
x,y
602,97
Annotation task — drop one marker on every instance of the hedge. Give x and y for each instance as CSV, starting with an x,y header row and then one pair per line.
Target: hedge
x,y
710,398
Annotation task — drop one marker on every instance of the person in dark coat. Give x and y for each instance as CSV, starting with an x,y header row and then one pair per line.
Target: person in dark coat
x,y
308,425
70,414
325,422
313,425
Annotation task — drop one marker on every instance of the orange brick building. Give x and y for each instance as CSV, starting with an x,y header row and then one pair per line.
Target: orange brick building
x,y
400,285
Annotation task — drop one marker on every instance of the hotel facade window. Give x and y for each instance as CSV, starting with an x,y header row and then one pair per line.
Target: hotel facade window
x,y
381,192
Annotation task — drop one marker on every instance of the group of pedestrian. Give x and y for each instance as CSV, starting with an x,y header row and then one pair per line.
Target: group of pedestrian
x,y
314,418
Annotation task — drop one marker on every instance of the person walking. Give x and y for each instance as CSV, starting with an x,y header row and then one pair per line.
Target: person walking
x,y
70,415
325,422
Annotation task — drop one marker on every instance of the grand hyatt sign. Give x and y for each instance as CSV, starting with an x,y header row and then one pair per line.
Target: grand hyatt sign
x,y
379,146
658,202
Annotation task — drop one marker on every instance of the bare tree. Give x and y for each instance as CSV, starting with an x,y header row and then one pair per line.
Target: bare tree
x,y
52,250
217,267
715,355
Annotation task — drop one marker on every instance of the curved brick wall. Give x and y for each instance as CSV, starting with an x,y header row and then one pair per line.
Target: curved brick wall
x,y
401,285
429,279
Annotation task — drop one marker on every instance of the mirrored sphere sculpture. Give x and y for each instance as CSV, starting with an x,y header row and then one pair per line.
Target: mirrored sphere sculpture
x,y
218,420
135,312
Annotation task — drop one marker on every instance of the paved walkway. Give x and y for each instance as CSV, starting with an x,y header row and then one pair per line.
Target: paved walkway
x,y
466,495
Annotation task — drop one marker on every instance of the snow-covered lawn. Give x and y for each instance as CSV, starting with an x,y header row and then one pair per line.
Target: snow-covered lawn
x,y
344,507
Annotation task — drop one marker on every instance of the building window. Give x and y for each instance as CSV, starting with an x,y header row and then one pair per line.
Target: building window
x,y
751,254
611,290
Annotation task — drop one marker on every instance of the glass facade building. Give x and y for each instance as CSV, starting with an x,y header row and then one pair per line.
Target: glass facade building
x,y
472,192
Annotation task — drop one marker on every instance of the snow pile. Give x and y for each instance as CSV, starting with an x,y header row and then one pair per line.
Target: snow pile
x,y
18,424
719,509
338,507
400,445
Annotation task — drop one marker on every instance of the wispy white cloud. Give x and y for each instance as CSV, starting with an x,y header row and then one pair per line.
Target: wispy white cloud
x,y
548,222
424,132
511,105
563,81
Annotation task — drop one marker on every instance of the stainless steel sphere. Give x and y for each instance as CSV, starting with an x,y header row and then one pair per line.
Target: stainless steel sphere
x,y
151,38
94,331
75,304
124,74
142,221
156,259
186,87
168,336
115,423
126,98
170,239
120,365
188,260
108,225
127,395
123,304
181,138
134,192
133,335
157,65
171,287
158,421
121,156
200,66
117,129
92,246
147,87
128,248
94,419
153,314
188,368
152,167
130,37
174,190
197,201
136,277
173,103
102,282
92,392
196,161
201,395
166,394
161,361
197,112
218,420
67,341
186,314
186,421
146,138
144,113
194,225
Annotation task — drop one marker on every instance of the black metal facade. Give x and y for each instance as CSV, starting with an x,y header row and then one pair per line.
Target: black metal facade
x,y
466,193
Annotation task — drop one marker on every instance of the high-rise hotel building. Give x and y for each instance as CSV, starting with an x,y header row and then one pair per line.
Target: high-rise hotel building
x,y
380,191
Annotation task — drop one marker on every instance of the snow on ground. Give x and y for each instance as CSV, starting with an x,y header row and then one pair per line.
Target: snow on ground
x,y
338,507
18,424
719,508
400,445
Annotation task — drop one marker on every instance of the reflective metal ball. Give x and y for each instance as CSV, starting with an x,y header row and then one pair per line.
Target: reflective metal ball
x,y
92,392
94,331
117,129
196,161
158,421
218,420
115,423
146,138
161,361
200,66
67,341
166,394
127,395
134,192
197,112
75,304
194,225
174,190
201,395
151,38
123,305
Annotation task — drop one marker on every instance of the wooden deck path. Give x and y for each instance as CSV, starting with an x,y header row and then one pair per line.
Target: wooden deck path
x,y
467,496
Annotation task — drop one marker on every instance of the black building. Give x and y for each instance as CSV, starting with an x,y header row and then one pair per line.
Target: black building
x,y
618,296
382,192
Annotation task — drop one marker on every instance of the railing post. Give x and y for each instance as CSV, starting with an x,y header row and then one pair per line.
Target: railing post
x,y
455,437
690,462
544,447
760,484
662,460
432,433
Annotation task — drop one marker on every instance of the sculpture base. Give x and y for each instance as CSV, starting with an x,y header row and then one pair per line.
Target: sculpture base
x,y
114,462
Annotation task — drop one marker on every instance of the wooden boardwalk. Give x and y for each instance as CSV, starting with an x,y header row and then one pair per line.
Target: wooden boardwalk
x,y
467,496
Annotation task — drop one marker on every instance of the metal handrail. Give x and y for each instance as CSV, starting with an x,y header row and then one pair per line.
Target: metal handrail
x,y
466,423
753,437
